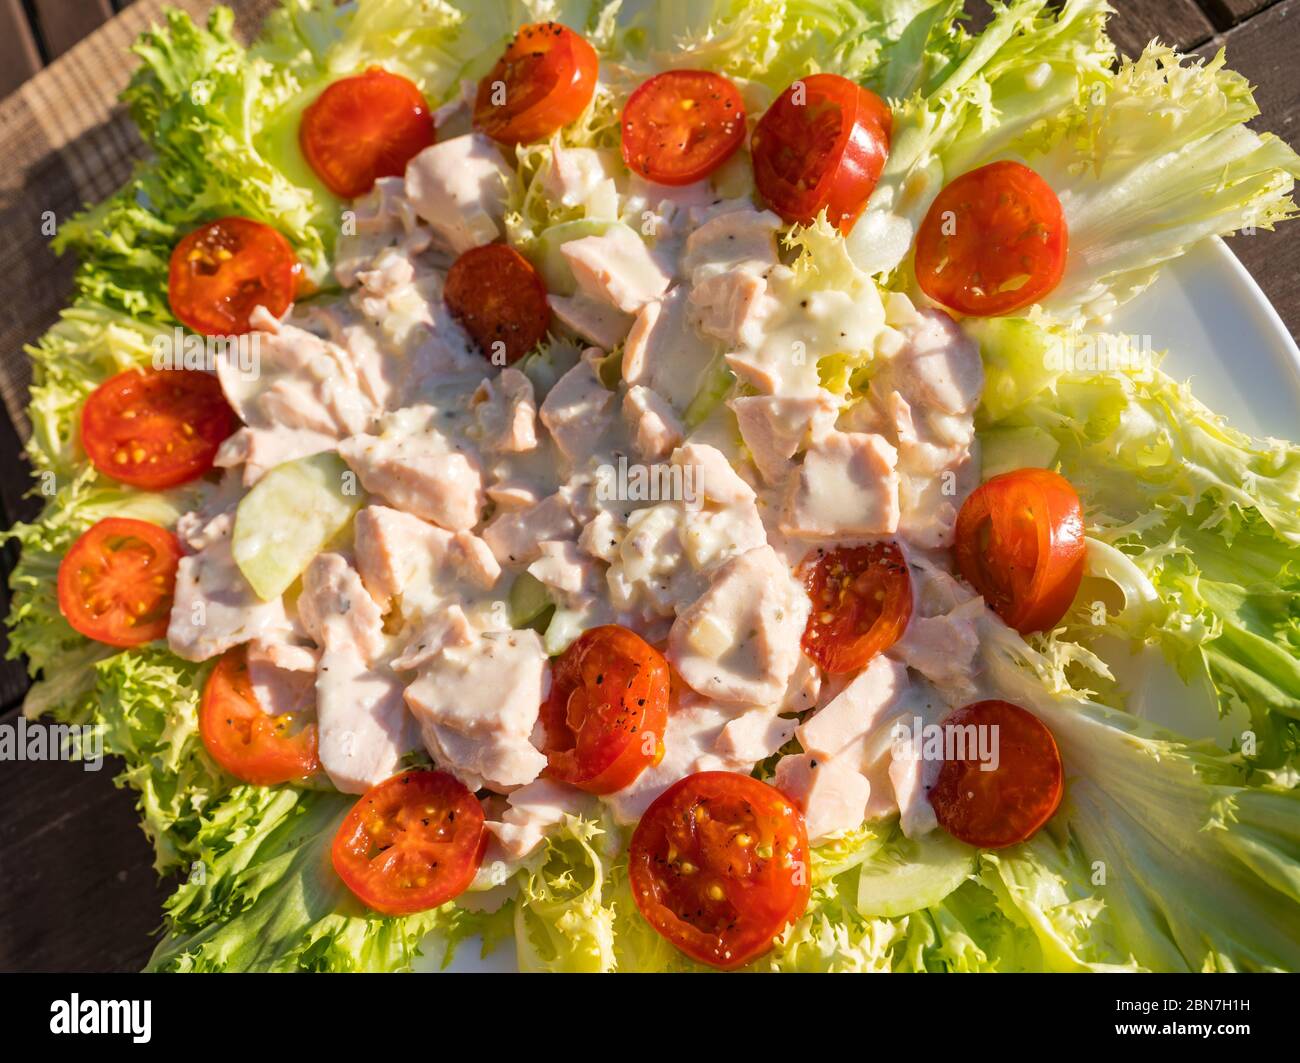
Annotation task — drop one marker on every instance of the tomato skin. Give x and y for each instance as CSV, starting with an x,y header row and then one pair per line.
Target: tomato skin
x,y
222,271
155,428
681,125
116,583
995,809
608,702
861,604
548,76
718,866
985,230
827,152
365,127
498,297
1020,543
410,843
238,734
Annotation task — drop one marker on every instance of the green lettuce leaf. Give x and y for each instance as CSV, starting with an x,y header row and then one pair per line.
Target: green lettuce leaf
x,y
262,896
1193,868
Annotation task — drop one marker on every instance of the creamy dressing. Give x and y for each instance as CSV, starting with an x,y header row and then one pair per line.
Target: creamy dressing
x,y
613,484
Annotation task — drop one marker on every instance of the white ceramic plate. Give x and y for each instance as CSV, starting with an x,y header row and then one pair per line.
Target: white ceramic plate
x,y
1223,335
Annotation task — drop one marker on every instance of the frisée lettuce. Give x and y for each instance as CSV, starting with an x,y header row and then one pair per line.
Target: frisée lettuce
x,y
1173,850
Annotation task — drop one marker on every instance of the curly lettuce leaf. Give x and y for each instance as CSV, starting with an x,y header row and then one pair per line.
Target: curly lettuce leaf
x,y
1195,523
202,104
262,896
1196,870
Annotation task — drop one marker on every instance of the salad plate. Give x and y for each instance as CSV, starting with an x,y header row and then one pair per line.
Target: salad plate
x,y
583,486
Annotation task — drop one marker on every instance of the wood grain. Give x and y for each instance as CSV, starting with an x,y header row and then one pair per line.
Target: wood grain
x,y
1227,13
1263,49
19,56
64,22
78,891
1181,23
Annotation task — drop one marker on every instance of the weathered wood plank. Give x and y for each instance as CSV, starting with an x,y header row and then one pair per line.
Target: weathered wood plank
x,y
1263,49
1178,22
19,56
78,891
64,22
1227,13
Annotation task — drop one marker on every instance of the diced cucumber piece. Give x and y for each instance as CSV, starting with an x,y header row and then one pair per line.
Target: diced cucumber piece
x,y
552,265
1007,449
289,516
907,876
715,385
529,599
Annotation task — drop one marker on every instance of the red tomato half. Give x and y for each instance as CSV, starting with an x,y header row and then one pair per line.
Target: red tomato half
x,y
155,428
411,843
240,736
994,809
993,241
607,710
499,298
822,144
221,272
680,126
543,82
861,603
719,866
365,127
116,583
1019,542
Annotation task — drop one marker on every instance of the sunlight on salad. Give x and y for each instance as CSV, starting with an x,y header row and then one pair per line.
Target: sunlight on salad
x,y
621,489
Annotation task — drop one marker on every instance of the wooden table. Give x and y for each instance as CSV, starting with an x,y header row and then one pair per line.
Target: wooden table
x,y
76,888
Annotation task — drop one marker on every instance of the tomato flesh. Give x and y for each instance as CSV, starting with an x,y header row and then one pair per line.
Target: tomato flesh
x,y
500,300
365,127
680,126
1004,806
155,428
247,742
411,843
719,866
607,710
1020,543
821,145
861,604
222,271
543,81
993,241
117,581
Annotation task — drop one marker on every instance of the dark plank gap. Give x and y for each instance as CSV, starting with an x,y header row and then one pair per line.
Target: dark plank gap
x,y
63,23
1227,13
1262,49
77,868
20,57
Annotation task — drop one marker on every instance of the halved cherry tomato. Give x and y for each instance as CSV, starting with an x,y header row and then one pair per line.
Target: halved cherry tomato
x,y
155,428
222,271
681,125
861,603
997,808
253,746
719,866
993,241
542,82
823,143
499,299
410,843
365,127
607,710
1019,542
116,582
